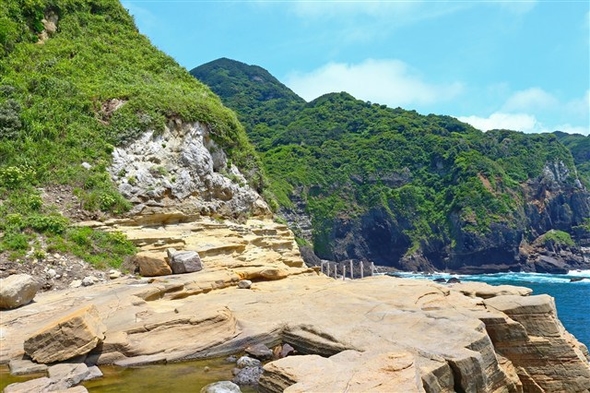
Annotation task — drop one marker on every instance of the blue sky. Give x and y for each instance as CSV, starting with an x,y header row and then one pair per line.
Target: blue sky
x,y
522,65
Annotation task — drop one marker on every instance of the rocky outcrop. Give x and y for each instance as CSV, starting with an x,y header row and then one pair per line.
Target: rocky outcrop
x,y
552,200
17,290
183,169
378,333
534,340
74,334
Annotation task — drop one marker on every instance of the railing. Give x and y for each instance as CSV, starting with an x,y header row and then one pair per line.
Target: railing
x,y
349,269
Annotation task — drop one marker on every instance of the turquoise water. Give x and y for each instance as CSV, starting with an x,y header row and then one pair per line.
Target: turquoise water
x,y
571,298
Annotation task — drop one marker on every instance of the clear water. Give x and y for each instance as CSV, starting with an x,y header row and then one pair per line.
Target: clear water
x,y
161,378
571,298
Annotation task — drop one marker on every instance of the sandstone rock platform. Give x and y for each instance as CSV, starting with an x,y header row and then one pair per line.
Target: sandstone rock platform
x,y
364,335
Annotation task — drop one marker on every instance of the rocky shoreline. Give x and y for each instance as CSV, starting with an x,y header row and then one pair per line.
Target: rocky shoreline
x,y
376,334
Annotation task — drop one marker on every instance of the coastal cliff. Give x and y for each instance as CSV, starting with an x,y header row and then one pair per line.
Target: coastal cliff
x,y
358,180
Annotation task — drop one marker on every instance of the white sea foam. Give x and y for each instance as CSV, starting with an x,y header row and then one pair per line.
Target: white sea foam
x,y
517,277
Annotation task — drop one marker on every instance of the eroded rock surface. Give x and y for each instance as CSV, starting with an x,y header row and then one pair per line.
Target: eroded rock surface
x,y
375,334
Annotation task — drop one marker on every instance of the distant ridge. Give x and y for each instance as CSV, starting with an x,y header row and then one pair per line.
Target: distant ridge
x,y
359,180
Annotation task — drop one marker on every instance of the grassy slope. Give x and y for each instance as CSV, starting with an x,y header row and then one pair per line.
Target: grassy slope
x,y
53,117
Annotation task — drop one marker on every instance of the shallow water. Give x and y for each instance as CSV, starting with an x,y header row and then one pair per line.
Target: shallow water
x,y
161,378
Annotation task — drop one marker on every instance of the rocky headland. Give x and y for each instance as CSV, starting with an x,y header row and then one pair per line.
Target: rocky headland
x,y
376,334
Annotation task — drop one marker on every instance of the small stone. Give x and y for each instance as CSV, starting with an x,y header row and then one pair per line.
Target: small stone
x,y
248,376
246,361
114,274
76,284
259,351
88,281
221,387
244,284
86,165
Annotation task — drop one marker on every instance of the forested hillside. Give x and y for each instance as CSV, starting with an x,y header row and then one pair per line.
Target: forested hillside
x,y
77,80
403,189
579,145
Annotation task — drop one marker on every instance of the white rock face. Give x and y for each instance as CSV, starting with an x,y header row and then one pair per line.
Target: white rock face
x,y
183,168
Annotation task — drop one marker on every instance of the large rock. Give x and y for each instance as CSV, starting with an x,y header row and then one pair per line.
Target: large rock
x,y
72,335
17,290
152,264
185,262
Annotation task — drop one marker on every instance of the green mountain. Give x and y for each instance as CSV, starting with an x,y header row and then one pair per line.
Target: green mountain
x,y
402,189
579,146
77,79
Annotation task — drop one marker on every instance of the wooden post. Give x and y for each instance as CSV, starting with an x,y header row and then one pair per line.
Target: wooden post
x,y
328,269
362,272
343,272
351,271
372,268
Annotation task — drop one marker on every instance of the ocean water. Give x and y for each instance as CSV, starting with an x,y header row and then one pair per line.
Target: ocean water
x,y
571,298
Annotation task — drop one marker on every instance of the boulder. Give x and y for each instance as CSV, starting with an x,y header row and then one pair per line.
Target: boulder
x,y
151,264
25,366
221,387
17,290
66,375
72,335
185,262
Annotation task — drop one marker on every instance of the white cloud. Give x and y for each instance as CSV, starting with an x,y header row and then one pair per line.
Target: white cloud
x,y
531,110
510,121
530,99
573,129
580,106
390,82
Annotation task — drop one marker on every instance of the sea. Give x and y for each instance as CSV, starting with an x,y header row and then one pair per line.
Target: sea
x,y
572,298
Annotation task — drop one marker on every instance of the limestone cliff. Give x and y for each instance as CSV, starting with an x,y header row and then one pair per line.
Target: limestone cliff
x,y
182,169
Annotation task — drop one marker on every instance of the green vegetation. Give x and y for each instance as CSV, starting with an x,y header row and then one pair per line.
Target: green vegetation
x,y
579,145
555,238
93,84
431,176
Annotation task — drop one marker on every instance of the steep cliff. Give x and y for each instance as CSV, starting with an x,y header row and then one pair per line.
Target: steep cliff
x,y
410,191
